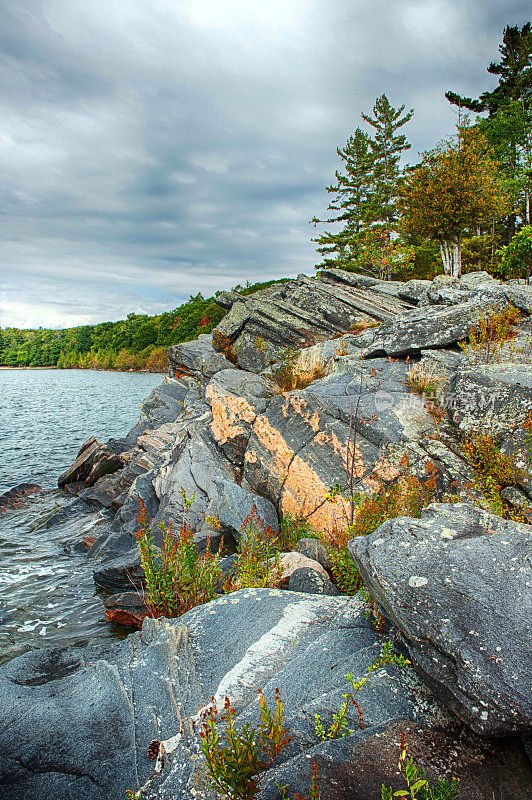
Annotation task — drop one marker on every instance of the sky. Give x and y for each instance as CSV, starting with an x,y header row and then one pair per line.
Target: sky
x,y
151,149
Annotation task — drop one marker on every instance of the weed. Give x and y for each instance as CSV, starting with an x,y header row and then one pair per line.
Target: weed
x,y
257,562
423,380
345,574
419,787
292,530
372,610
314,791
224,345
494,470
235,764
338,727
293,371
488,337
177,577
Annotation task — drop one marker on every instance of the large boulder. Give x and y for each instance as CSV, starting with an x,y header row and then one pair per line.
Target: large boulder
x,y
88,722
197,358
298,447
300,313
429,327
457,584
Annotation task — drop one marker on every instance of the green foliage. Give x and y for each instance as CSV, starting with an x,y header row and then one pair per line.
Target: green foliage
x,y
338,727
456,187
364,195
236,761
516,258
257,563
494,470
177,577
138,342
480,253
345,574
418,787
292,530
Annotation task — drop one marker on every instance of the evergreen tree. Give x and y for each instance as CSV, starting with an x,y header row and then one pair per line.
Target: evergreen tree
x,y
514,69
351,195
508,125
365,193
387,147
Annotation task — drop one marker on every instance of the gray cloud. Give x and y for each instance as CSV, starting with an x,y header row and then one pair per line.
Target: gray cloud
x,y
151,150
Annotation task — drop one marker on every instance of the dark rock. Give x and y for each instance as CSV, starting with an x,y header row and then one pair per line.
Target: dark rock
x,y
313,548
233,504
16,497
92,462
87,734
427,327
309,581
457,585
120,574
127,608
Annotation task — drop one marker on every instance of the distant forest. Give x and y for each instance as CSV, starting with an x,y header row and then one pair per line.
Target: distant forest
x,y
136,343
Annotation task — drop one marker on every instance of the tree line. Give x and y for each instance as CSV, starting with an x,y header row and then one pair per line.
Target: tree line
x,y
465,206
136,343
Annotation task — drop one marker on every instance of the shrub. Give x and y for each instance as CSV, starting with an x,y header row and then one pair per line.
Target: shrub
x,y
177,576
257,562
157,361
488,337
494,470
224,345
235,764
292,530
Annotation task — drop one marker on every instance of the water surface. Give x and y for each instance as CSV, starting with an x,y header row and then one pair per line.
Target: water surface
x,y
47,595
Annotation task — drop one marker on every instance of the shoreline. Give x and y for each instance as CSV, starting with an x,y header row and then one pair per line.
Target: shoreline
x,y
73,369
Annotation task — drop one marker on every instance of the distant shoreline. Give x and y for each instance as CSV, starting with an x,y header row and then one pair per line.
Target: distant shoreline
x,y
73,369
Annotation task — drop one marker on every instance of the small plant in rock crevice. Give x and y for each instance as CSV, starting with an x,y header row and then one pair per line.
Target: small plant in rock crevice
x,y
338,727
292,530
489,336
224,345
177,576
292,372
424,381
236,761
418,787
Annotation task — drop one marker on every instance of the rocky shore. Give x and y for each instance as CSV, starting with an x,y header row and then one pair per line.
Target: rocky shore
x,y
454,586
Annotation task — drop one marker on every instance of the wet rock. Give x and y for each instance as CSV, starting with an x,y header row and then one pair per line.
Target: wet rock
x,y
16,497
457,585
313,548
127,608
308,581
93,461
120,574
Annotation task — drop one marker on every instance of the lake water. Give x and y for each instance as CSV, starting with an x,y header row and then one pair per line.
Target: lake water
x,y
47,596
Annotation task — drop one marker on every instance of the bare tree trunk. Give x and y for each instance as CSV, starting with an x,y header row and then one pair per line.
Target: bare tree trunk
x,y
451,255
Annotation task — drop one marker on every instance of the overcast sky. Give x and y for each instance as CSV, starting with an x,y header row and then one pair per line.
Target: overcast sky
x,y
150,149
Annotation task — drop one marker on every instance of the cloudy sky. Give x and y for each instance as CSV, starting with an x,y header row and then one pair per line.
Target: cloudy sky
x,y
150,149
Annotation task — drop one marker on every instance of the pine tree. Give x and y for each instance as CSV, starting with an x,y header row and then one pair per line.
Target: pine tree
x,y
387,147
351,197
509,108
